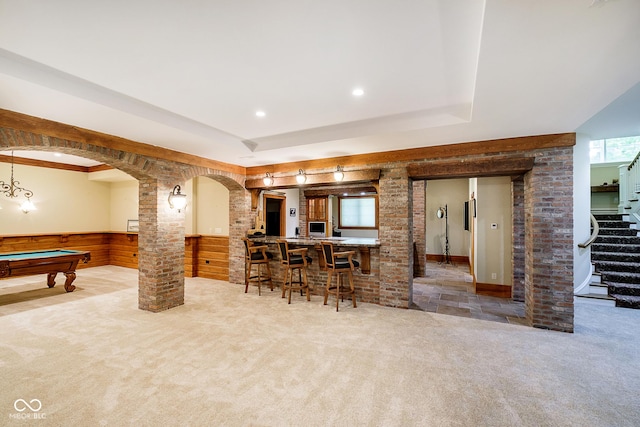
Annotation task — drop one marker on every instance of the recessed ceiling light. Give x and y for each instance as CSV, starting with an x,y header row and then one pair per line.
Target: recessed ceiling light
x,y
260,113
57,154
358,92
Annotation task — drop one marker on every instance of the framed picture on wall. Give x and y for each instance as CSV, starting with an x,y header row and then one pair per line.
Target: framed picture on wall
x,y
133,226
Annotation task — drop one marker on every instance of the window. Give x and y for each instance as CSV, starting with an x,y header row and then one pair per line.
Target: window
x,y
358,212
614,150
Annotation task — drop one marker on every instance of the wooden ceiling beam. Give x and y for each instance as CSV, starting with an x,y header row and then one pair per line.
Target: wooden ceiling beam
x,y
471,168
315,180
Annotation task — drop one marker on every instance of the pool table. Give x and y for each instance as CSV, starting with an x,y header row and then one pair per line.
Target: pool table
x,y
51,262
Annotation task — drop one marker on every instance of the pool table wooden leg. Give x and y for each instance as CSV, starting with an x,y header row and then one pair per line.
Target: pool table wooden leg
x,y
51,279
71,276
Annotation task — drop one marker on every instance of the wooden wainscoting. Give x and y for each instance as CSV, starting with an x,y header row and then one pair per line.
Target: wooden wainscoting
x,y
205,256
97,243
493,290
123,249
457,259
213,257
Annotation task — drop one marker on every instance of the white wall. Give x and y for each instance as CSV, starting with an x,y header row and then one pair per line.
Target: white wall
x,y
581,210
123,204
494,243
211,200
453,193
70,201
66,201
292,202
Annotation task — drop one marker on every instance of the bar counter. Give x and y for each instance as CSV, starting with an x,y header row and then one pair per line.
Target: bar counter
x,y
362,244
366,278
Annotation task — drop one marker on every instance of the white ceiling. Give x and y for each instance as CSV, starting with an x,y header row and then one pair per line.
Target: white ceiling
x,y
190,75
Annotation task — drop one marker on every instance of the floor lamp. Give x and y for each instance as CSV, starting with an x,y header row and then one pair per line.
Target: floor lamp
x,y
443,213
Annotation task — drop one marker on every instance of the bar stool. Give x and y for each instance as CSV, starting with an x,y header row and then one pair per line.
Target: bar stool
x,y
294,259
339,263
258,256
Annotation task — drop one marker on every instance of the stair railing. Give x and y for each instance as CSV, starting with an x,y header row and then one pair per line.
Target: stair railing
x,y
631,202
594,233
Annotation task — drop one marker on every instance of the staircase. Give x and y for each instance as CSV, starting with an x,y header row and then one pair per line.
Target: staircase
x,y
616,257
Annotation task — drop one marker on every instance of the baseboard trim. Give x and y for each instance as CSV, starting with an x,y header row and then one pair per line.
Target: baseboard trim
x,y
493,290
458,259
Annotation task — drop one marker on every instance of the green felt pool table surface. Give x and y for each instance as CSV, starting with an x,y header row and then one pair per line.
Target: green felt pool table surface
x,y
50,262
37,254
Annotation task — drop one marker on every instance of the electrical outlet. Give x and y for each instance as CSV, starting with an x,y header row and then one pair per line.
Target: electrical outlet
x,y
494,276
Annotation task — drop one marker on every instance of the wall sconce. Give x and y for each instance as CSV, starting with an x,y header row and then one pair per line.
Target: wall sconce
x,y
176,199
338,175
268,179
301,178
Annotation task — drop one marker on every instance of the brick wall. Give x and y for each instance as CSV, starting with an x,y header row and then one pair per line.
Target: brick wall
x,y
549,240
419,232
396,237
517,239
160,248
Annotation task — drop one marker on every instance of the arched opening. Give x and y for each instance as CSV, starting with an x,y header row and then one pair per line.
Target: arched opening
x,y
161,230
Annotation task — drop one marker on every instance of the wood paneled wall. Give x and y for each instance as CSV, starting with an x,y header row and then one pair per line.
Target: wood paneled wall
x,y
205,256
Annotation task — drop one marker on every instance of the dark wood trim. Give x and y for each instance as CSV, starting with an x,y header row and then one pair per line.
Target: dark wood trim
x,y
42,163
471,169
493,290
99,168
456,259
39,126
611,188
340,190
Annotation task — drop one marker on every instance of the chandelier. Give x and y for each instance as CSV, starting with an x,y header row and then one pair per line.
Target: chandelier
x,y
13,189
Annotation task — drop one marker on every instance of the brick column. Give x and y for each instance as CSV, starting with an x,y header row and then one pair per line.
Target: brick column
x,y
517,239
241,219
419,228
160,248
396,237
549,240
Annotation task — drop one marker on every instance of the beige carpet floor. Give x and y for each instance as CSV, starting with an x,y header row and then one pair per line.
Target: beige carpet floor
x,y
91,358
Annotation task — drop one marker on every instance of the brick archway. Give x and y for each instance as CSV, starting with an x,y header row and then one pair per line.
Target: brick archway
x,y
161,233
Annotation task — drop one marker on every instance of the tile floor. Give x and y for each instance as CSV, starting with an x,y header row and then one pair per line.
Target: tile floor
x,y
448,289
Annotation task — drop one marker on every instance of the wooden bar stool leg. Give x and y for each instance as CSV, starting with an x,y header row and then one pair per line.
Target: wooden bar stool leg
x,y
326,289
259,279
284,282
353,290
300,278
290,284
306,284
269,278
247,273
338,290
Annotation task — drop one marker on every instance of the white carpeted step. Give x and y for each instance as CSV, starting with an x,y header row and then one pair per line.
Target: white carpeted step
x,y
595,299
598,288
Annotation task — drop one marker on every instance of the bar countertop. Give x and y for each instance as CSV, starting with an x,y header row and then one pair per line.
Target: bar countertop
x,y
312,241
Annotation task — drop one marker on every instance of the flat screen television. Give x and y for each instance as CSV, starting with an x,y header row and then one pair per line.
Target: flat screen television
x,y
317,229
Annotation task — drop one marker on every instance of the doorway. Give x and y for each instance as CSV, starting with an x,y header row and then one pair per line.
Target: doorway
x,y
274,207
